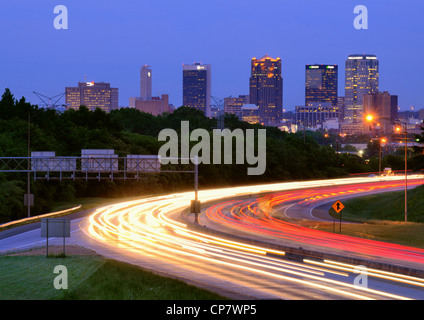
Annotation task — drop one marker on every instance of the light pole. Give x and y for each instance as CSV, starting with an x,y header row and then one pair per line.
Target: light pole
x,y
370,118
382,140
405,129
29,167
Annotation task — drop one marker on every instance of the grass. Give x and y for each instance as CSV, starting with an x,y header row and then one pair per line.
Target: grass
x,y
119,281
31,277
89,278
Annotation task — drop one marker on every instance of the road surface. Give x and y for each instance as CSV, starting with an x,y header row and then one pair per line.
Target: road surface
x,y
151,233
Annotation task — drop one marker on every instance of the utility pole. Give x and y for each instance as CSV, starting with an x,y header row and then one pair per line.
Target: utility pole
x,y
196,187
406,172
29,166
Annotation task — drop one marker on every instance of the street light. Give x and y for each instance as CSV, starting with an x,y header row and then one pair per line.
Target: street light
x,y
382,140
370,118
399,129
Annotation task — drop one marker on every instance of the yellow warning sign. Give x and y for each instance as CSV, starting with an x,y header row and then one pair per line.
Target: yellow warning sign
x,y
338,206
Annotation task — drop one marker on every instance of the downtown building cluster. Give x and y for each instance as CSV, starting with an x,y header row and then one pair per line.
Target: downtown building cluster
x,y
323,107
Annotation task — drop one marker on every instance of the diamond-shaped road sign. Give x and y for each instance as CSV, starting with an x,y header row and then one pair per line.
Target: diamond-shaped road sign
x,y
338,206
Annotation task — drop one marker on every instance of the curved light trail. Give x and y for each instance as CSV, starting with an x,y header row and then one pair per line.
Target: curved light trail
x,y
152,228
254,215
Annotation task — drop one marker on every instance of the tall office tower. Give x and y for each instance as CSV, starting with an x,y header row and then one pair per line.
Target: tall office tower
x,y
384,108
197,87
92,95
266,89
321,83
362,73
146,82
232,105
146,102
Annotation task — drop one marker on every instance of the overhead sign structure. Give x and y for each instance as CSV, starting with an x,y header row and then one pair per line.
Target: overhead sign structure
x,y
338,206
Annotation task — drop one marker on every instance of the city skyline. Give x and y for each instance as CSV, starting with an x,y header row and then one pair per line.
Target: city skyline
x,y
174,41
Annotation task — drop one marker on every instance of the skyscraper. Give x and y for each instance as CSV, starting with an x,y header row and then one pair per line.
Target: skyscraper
x,y
146,82
146,102
197,87
361,77
92,95
321,83
266,89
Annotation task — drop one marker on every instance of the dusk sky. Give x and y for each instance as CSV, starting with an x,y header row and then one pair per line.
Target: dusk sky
x,y
108,41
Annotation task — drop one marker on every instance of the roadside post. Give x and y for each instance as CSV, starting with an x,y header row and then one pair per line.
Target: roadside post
x,y
338,207
55,227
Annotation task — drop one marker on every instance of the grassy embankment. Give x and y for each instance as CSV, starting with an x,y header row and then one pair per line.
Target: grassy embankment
x,y
90,277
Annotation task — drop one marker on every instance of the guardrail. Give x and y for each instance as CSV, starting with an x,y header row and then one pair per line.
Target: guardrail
x,y
35,218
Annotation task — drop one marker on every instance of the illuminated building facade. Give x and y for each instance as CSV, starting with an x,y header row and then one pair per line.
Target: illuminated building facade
x,y
197,87
92,95
384,109
232,105
250,113
154,106
321,83
361,77
315,114
266,89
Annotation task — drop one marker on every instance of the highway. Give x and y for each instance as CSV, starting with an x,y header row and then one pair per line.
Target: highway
x,y
154,234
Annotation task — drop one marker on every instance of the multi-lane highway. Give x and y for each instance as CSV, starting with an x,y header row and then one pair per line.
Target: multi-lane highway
x,y
154,234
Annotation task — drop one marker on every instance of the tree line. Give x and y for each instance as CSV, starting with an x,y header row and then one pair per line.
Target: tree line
x,y
290,156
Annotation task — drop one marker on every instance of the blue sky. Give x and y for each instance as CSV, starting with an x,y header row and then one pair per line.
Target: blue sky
x,y
109,40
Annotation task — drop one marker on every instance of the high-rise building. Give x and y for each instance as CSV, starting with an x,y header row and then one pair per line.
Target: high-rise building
x,y
146,82
92,95
197,87
384,109
361,77
266,89
232,105
421,114
341,106
321,83
146,102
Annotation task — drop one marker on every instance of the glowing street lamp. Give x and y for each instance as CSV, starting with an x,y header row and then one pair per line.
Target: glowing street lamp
x,y
382,140
398,130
